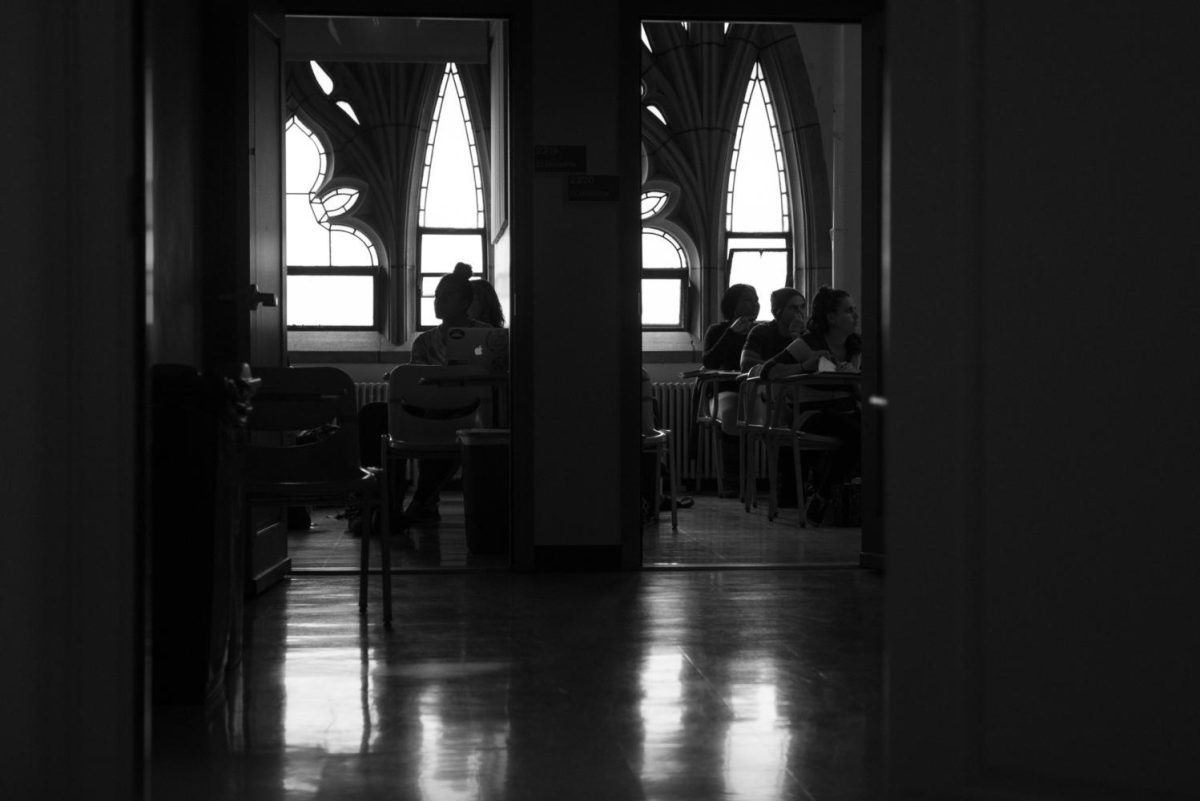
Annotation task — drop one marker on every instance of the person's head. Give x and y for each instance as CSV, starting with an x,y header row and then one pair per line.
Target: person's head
x,y
787,307
462,269
740,300
452,298
485,305
833,310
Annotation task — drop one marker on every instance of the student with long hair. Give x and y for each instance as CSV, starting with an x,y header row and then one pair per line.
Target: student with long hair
x,y
832,335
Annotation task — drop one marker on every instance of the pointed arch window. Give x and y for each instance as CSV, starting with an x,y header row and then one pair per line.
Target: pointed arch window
x,y
332,262
758,206
450,216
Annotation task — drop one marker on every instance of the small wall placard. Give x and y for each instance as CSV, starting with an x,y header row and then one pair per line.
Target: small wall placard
x,y
592,187
559,158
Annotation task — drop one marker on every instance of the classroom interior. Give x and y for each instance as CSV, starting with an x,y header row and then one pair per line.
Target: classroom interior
x,y
1006,620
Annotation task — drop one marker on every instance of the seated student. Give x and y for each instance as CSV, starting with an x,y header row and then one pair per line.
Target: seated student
x,y
768,338
832,334
723,343
451,300
485,306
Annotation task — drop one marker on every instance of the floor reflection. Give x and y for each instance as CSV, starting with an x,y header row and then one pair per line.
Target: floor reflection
x,y
759,685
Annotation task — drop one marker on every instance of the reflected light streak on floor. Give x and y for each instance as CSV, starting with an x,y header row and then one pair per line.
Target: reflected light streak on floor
x,y
680,686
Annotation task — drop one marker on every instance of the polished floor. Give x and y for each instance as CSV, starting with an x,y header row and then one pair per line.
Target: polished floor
x,y
761,685
713,533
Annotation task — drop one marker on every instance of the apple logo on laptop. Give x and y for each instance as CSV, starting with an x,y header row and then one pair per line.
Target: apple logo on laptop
x,y
478,350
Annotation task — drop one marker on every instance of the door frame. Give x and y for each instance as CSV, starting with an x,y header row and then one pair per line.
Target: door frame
x,y
874,292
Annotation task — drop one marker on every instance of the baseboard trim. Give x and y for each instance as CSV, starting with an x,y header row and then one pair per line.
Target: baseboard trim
x,y
259,584
589,558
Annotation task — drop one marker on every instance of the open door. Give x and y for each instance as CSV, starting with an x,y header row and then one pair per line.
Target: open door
x,y
243,224
267,557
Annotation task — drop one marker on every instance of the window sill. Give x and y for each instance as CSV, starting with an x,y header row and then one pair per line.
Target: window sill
x,y
659,347
331,347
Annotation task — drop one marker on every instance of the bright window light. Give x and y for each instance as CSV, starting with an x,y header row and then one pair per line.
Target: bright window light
x,y
349,109
440,252
661,298
313,240
646,39
451,181
766,271
330,300
653,203
657,112
660,251
757,195
323,79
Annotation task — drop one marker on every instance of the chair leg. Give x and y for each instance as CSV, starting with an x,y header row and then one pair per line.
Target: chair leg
x,y
658,454
801,501
364,559
748,471
385,562
718,452
385,527
772,478
674,488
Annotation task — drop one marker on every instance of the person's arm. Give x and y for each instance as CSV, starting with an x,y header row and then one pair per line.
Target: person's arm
x,y
722,347
797,357
751,351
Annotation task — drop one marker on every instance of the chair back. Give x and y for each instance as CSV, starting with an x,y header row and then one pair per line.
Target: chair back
x,y
648,426
303,426
423,414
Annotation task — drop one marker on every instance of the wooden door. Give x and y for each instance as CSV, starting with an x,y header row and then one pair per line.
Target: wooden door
x,y
267,557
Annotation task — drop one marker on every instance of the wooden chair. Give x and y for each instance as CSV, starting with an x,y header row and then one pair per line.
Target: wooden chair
x,y
660,442
424,419
707,383
323,467
789,405
751,426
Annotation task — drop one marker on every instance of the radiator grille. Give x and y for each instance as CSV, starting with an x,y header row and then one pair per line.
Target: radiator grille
x,y
677,413
371,392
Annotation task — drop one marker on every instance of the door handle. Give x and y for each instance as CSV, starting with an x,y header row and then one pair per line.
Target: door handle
x,y
261,298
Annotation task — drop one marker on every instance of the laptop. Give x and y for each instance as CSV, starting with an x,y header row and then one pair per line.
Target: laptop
x,y
485,348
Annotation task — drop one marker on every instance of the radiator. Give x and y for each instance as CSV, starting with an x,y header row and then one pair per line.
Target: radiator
x,y
371,392
677,413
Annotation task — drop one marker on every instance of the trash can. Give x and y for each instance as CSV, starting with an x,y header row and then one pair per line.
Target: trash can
x,y
485,479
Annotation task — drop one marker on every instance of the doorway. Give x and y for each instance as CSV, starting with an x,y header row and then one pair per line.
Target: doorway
x,y
396,154
757,170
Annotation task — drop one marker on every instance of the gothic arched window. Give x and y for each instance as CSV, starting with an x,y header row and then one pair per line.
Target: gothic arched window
x,y
450,221
332,263
757,207
664,277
